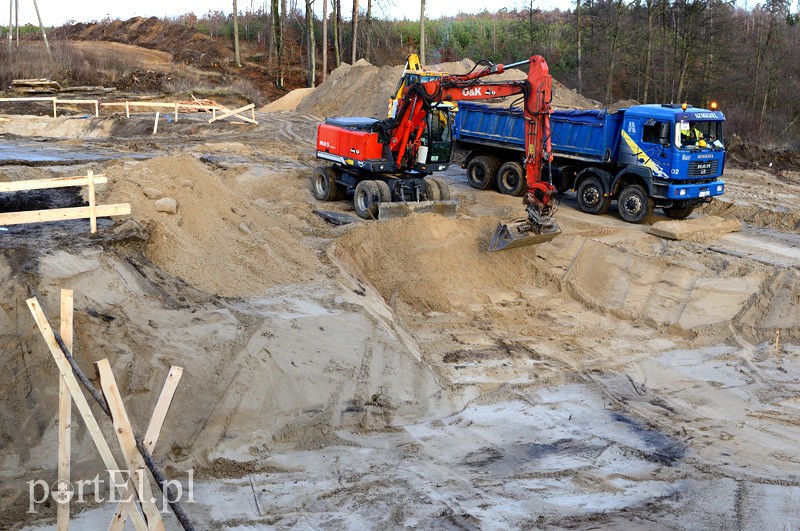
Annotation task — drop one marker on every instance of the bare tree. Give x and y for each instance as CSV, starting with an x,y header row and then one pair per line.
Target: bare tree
x,y
277,31
310,43
236,55
648,59
324,40
580,48
422,32
337,30
355,31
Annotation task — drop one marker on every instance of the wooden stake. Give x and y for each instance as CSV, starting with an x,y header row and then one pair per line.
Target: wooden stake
x,y
64,411
127,109
176,111
92,204
55,108
61,214
122,427
155,125
80,401
150,439
777,341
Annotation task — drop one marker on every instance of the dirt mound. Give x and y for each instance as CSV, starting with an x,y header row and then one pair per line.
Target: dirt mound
x,y
416,260
186,44
218,241
288,102
363,89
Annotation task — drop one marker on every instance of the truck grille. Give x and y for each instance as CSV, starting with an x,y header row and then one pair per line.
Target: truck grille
x,y
702,168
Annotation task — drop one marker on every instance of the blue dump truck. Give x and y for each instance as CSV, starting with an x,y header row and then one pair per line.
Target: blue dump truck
x,y
644,157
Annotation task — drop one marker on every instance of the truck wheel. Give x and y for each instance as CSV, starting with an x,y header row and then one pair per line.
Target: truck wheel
x,y
324,185
366,199
482,172
633,204
679,211
590,196
511,179
436,190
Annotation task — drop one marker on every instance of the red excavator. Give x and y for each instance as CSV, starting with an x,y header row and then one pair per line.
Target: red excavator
x,y
386,162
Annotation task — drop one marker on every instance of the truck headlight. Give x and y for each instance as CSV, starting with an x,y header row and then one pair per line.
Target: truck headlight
x,y
719,188
682,192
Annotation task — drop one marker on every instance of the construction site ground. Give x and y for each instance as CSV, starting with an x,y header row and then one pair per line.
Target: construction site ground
x,y
396,374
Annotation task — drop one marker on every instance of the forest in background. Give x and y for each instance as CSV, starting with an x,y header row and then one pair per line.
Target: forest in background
x,y
652,51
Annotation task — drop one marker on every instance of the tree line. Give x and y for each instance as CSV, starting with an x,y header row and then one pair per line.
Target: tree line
x,y
651,51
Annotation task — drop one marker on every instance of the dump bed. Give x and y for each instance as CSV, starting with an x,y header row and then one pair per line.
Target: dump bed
x,y
581,134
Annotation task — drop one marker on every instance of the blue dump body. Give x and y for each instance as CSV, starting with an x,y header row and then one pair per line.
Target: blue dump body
x,y
587,135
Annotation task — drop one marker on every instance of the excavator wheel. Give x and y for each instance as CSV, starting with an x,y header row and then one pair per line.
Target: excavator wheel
x,y
324,185
482,172
511,179
436,190
366,198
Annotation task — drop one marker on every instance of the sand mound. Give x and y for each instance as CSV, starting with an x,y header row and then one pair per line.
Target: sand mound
x,y
430,262
363,89
288,102
218,241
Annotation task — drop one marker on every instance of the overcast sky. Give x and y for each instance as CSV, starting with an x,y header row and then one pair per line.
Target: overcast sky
x,y
57,12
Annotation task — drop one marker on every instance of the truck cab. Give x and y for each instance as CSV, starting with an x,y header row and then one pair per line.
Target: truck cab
x,y
679,149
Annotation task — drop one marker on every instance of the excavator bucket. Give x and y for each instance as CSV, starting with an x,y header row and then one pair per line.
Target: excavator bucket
x,y
521,233
400,209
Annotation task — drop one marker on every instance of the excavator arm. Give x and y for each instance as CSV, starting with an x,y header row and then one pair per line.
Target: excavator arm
x,y
541,201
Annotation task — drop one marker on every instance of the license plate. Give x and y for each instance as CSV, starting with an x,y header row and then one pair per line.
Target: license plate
x,y
704,193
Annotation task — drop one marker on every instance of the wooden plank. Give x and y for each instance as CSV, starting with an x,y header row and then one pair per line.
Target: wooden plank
x,y
77,396
124,431
150,439
64,412
137,104
236,112
30,98
86,102
59,182
62,214
92,205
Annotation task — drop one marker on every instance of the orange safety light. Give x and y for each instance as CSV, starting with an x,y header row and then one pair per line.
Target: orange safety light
x,y
713,105
684,106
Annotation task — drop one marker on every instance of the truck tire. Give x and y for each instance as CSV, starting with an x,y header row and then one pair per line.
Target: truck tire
x,y
324,185
436,190
366,199
511,179
679,211
590,196
385,192
482,172
633,204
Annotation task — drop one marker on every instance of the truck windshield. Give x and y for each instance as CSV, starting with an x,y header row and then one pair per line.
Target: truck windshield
x,y
699,135
440,137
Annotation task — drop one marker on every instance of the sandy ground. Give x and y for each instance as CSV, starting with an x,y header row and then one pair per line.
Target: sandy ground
x,y
395,374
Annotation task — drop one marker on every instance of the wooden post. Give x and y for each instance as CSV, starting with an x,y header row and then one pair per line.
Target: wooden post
x,y
128,109
97,109
64,412
176,111
150,439
155,125
80,401
92,203
55,108
135,461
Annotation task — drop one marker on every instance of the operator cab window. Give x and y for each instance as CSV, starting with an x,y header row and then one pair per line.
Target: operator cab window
x,y
656,132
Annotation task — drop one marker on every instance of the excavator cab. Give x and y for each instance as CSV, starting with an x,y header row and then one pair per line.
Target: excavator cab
x,y
437,142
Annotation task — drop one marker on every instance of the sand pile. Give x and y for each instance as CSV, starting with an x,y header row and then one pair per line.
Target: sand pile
x,y
288,102
430,262
363,89
219,241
